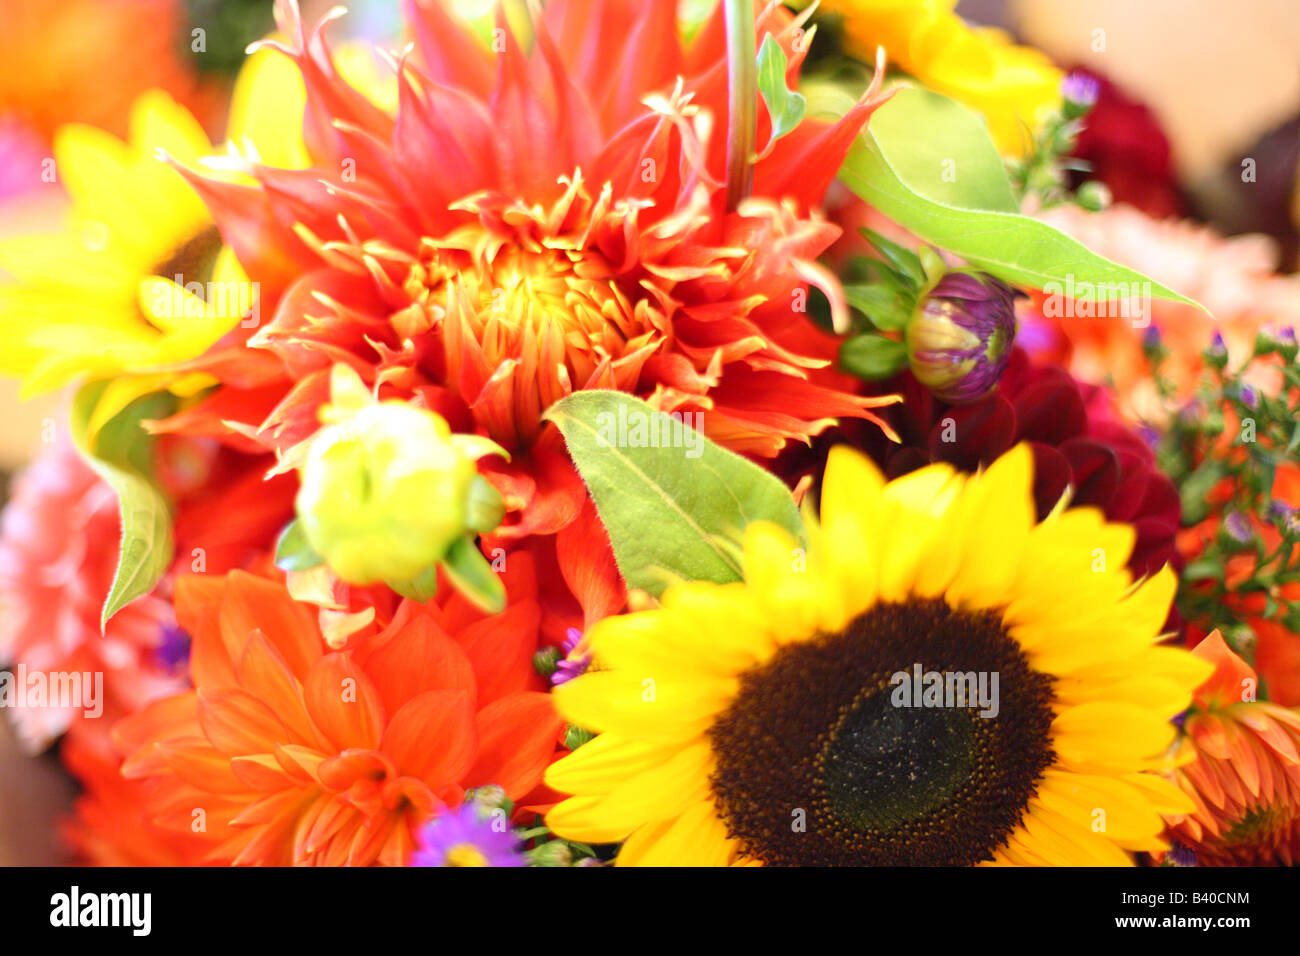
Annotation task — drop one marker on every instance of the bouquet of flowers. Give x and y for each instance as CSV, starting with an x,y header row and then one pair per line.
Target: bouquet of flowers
x,y
625,431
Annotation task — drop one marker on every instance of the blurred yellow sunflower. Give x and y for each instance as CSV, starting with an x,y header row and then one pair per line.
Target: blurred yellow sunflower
x,y
1012,86
937,681
126,286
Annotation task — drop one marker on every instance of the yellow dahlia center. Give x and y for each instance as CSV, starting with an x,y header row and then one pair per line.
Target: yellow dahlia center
x,y
915,737
532,314
465,854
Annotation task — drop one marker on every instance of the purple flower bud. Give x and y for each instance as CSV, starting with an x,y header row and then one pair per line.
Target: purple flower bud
x,y
1238,528
1080,92
571,666
1287,343
1285,516
960,339
1248,396
1217,353
1151,338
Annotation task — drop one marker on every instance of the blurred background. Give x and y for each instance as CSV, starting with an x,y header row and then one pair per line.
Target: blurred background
x,y
1191,91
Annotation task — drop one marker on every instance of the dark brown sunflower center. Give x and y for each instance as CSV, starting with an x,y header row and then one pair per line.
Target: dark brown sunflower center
x,y
915,737
192,260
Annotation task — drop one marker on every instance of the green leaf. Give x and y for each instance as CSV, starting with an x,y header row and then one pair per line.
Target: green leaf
x,y
941,150
872,357
293,552
886,168
472,575
887,309
904,260
785,107
672,509
120,454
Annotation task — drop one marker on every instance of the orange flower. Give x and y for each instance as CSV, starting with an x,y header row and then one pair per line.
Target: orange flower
x,y
1245,778
109,824
288,753
532,223
1234,278
64,62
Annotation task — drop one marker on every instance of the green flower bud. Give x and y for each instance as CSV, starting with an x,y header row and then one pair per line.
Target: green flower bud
x,y
386,487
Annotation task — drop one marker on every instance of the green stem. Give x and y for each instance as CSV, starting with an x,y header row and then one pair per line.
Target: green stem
x,y
742,111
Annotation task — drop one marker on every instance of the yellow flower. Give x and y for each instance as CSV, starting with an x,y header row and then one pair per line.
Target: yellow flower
x,y
937,681
1012,86
137,279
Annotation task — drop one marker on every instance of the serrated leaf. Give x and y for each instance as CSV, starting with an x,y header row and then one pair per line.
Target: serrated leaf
x,y
120,453
785,107
293,552
887,167
669,508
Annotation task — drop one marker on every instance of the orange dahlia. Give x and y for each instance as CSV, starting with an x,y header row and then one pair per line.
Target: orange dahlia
x,y
1245,778
288,753
529,222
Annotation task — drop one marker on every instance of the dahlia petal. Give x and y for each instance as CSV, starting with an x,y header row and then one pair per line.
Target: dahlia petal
x,y
414,658
500,648
517,739
238,723
433,737
343,703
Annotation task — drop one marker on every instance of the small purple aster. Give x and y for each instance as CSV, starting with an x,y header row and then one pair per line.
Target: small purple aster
x,y
570,667
173,650
1238,528
1180,855
467,836
1285,516
1080,91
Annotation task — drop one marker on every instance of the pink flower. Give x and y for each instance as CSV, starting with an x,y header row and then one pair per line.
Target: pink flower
x,y
59,540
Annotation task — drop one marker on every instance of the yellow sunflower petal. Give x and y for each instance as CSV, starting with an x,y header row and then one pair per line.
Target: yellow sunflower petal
x,y
696,838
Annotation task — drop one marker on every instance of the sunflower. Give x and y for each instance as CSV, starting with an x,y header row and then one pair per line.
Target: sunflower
x,y
774,721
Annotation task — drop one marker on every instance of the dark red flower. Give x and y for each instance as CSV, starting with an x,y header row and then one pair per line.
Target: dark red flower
x,y
1077,442
1123,143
